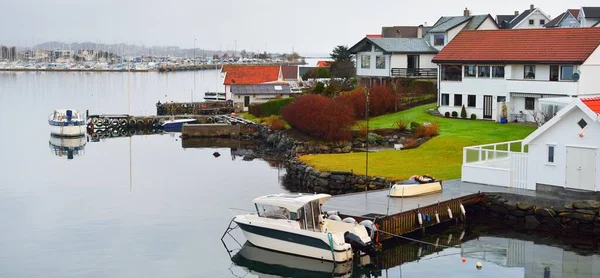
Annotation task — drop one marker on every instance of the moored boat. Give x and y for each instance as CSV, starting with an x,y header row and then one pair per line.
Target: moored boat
x,y
67,122
416,186
295,224
175,125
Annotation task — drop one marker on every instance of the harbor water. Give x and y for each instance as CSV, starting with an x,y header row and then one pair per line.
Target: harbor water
x,y
145,206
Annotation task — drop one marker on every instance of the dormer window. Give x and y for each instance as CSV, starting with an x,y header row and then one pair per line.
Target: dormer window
x,y
438,39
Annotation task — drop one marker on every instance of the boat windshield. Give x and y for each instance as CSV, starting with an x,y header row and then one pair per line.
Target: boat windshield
x,y
275,212
308,216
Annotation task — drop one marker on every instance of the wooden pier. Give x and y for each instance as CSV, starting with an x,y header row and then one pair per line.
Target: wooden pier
x,y
398,216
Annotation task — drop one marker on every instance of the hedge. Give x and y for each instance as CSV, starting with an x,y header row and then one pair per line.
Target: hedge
x,y
272,107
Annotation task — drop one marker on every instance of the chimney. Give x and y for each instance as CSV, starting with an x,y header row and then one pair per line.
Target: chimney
x,y
516,12
420,31
467,12
531,7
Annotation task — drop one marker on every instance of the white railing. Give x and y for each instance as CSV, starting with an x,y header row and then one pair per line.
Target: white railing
x,y
492,154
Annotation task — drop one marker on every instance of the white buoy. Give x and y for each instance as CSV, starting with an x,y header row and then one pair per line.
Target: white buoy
x,y
437,241
462,235
419,218
449,239
419,252
479,265
449,213
462,209
437,217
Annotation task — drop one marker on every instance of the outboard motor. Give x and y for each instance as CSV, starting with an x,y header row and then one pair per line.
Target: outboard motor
x,y
358,245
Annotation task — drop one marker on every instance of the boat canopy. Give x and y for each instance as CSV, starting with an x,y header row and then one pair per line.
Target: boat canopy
x,y
292,202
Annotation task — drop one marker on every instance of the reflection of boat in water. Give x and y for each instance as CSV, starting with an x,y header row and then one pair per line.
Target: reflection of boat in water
x,y
175,125
67,122
263,263
69,147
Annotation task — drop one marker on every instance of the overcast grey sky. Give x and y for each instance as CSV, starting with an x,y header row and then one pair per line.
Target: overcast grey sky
x,y
314,26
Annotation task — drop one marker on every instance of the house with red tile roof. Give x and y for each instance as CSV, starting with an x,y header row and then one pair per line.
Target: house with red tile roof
x,y
247,84
483,70
561,155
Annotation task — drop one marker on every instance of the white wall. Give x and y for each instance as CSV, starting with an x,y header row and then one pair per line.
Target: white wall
x,y
589,22
536,16
372,70
485,175
454,31
562,134
400,61
589,81
256,98
488,24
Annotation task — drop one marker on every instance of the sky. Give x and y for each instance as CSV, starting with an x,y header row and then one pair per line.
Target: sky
x,y
307,26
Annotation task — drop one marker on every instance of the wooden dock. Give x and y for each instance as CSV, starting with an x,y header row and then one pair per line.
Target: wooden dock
x,y
399,216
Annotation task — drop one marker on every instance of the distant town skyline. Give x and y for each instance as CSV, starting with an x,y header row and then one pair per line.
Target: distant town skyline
x,y
310,27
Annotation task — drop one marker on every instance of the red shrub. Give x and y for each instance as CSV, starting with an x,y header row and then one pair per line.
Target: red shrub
x,y
320,117
381,101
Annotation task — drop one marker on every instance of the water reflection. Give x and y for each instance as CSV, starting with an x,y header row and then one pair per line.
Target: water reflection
x,y
67,147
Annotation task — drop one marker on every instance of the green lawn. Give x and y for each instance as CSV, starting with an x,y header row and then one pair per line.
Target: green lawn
x,y
441,156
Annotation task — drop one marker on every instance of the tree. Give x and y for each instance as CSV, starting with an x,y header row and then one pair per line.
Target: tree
x,y
244,54
341,53
293,57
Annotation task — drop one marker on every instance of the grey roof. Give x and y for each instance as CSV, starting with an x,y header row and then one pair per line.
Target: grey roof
x,y
476,21
591,12
504,18
403,45
262,89
519,18
446,23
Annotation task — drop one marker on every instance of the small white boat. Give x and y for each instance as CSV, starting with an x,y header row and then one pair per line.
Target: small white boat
x,y
294,224
67,122
416,186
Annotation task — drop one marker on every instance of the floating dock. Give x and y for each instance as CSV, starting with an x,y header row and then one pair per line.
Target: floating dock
x,y
399,216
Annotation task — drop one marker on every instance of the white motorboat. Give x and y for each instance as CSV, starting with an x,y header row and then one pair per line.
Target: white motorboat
x,y
295,224
67,122
416,186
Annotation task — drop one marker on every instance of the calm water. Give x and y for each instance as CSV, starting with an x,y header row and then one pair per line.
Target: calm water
x,y
146,207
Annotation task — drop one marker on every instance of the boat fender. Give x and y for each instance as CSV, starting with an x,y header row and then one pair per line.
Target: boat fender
x,y
449,213
332,212
462,209
428,218
334,217
419,218
114,122
437,217
122,122
370,227
349,220
419,252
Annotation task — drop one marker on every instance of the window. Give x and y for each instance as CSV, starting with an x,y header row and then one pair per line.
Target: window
x,y
457,100
531,22
365,61
471,100
445,99
582,123
553,73
529,103
566,72
498,71
484,71
380,62
451,72
438,39
542,21
470,71
501,99
529,72
550,154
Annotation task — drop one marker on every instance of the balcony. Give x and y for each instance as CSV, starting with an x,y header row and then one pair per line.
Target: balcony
x,y
430,73
542,87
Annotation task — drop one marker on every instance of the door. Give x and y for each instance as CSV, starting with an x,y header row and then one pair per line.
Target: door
x,y
412,64
581,168
246,101
487,107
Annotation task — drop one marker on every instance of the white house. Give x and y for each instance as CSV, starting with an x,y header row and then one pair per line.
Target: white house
x,y
563,153
568,19
589,16
381,58
528,19
483,69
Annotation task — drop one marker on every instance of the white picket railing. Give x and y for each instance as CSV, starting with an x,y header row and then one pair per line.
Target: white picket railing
x,y
501,164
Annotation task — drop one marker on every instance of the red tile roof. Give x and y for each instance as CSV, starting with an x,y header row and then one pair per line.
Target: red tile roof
x,y
592,103
323,64
250,75
553,45
374,36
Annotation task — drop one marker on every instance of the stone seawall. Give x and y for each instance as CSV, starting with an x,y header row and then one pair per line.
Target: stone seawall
x,y
218,130
534,213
